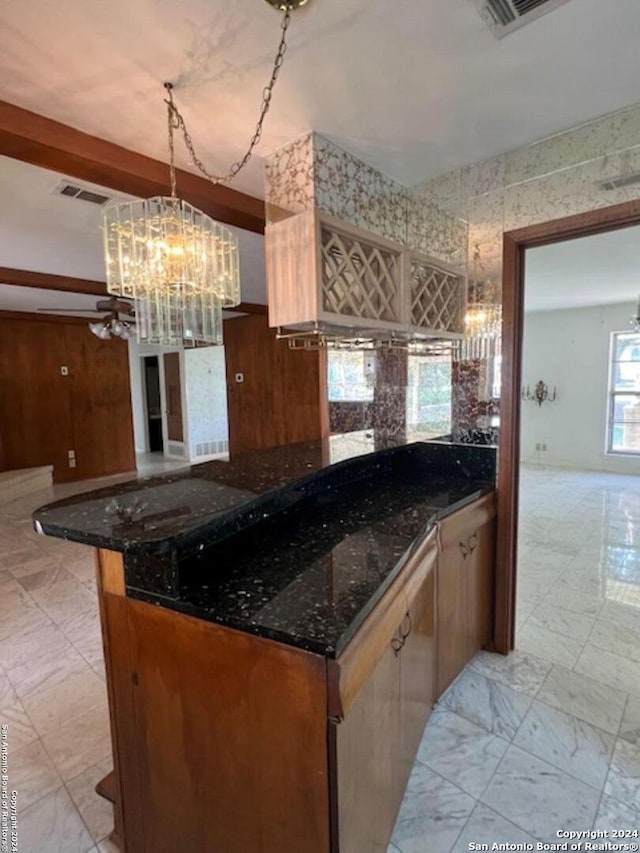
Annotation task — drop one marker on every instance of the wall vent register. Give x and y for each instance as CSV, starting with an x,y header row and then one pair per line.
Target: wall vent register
x,y
80,193
505,16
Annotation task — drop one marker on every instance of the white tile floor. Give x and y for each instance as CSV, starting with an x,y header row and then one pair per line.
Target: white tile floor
x,y
548,738
519,747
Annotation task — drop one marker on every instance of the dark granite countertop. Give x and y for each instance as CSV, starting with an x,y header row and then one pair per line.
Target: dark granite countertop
x,y
311,574
202,504
296,543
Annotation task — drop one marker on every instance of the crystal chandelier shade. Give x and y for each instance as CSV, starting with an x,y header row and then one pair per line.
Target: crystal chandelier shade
x,y
483,331
483,321
179,265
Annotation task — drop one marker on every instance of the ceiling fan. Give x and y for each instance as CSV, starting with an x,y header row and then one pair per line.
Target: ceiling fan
x,y
111,324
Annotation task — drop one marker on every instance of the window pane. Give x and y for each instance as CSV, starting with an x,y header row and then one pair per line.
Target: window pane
x,y
626,407
625,423
625,438
626,367
627,347
429,394
351,376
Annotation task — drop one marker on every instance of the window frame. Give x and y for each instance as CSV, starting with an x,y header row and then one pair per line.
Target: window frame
x,y
612,394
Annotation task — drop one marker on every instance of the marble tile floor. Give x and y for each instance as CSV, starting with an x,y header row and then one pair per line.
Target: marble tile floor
x,y
547,738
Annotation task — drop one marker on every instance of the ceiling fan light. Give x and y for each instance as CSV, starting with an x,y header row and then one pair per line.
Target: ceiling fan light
x,y
116,327
127,331
100,330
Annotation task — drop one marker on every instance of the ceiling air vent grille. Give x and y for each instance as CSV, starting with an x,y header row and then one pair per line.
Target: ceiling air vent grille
x,y
505,16
81,193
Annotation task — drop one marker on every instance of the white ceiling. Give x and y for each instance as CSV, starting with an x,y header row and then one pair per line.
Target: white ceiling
x,y
414,87
49,233
34,299
599,270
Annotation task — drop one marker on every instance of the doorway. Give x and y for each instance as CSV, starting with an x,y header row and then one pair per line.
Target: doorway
x,y
515,245
153,401
578,571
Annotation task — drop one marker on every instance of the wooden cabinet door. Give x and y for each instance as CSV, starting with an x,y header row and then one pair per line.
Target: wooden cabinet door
x,y
480,589
230,739
453,643
418,671
367,770
376,743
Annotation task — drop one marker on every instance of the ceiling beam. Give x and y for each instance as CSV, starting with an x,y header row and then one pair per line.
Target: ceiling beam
x,y
47,281
43,142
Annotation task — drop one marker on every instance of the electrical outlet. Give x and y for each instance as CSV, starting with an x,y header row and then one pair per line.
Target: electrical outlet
x,y
544,447
538,446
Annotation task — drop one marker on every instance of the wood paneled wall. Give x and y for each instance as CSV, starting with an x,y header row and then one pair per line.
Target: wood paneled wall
x,y
44,414
282,398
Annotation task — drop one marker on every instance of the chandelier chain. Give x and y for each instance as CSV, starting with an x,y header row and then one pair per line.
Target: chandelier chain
x,y
177,122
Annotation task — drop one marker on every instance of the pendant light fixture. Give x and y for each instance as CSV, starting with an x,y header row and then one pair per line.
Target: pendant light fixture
x,y
179,264
483,320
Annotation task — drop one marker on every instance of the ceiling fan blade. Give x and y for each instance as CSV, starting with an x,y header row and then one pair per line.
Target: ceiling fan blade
x,y
120,306
70,310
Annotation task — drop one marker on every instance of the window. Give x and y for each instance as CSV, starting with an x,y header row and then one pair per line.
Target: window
x,y
429,395
624,398
351,376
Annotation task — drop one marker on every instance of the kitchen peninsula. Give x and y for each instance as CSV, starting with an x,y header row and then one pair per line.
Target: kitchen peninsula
x,y
276,630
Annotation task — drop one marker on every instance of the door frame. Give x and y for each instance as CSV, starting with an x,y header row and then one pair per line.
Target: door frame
x,y
515,244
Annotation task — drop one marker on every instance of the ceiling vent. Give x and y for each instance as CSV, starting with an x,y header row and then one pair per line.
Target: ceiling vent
x,y
505,16
82,193
619,183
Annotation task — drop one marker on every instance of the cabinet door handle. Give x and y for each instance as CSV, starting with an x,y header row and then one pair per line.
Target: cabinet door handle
x,y
397,644
473,543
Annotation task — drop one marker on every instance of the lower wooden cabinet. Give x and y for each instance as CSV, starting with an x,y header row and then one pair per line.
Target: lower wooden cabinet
x,y
465,598
373,747
229,743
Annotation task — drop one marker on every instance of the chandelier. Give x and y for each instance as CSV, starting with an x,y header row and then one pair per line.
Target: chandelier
x,y
483,320
178,264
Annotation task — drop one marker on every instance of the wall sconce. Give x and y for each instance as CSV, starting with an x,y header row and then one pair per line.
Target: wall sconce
x,y
540,393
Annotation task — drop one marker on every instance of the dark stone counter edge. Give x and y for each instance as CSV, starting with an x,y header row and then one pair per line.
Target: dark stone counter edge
x,y
316,647
229,521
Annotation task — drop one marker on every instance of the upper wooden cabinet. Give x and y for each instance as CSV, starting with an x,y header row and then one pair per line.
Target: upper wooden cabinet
x,y
328,274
